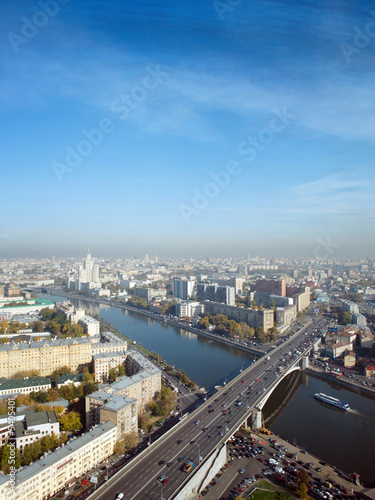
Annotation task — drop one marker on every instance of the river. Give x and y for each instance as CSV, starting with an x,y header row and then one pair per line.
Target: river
x,y
343,439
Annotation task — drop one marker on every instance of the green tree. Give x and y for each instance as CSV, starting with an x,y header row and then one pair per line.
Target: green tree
x,y
89,388
345,318
47,314
144,421
70,421
53,327
130,441
37,326
302,491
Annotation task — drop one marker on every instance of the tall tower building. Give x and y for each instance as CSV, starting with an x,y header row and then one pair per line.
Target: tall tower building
x,y
88,274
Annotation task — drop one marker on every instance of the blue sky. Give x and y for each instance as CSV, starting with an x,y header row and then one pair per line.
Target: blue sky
x,y
175,92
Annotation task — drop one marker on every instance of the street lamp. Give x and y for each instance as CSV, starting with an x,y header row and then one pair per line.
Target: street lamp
x,y
162,490
199,451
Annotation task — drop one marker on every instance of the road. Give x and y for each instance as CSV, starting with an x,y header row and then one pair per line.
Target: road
x,y
208,426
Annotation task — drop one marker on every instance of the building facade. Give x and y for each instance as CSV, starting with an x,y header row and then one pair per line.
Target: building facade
x,y
52,473
183,289
253,317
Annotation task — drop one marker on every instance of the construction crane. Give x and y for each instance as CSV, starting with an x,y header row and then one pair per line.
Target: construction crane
x,y
263,429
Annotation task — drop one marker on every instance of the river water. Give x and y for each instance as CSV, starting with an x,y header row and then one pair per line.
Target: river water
x,y
344,439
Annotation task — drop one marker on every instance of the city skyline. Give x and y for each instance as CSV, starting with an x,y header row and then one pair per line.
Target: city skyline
x,y
187,130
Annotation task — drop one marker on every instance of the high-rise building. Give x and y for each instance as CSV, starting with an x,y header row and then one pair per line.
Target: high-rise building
x,y
216,293
183,289
274,287
88,274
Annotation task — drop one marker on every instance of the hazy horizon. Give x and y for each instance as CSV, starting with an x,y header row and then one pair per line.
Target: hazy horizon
x,y
187,129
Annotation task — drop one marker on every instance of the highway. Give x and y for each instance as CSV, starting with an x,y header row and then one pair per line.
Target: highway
x,y
208,426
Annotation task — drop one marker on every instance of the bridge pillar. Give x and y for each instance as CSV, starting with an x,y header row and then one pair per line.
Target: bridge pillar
x,y
304,362
246,424
256,420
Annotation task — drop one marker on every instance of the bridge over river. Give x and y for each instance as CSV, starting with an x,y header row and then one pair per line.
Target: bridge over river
x,y
202,435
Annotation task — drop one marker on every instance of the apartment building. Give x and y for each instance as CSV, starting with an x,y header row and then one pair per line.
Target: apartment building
x,y
216,293
189,308
102,406
126,397
274,287
90,325
150,293
104,362
348,305
46,356
253,317
50,474
183,289
285,315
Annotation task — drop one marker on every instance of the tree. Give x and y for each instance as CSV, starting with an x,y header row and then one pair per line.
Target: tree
x,y
5,458
70,421
302,490
53,395
89,388
37,326
345,318
3,326
54,327
144,421
58,409
47,314
303,476
23,399
130,441
39,397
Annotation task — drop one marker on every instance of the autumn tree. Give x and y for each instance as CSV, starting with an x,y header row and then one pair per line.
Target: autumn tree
x,y
70,421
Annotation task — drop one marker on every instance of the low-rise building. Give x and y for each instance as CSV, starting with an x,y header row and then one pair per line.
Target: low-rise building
x,y
24,386
69,378
337,349
35,425
189,308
